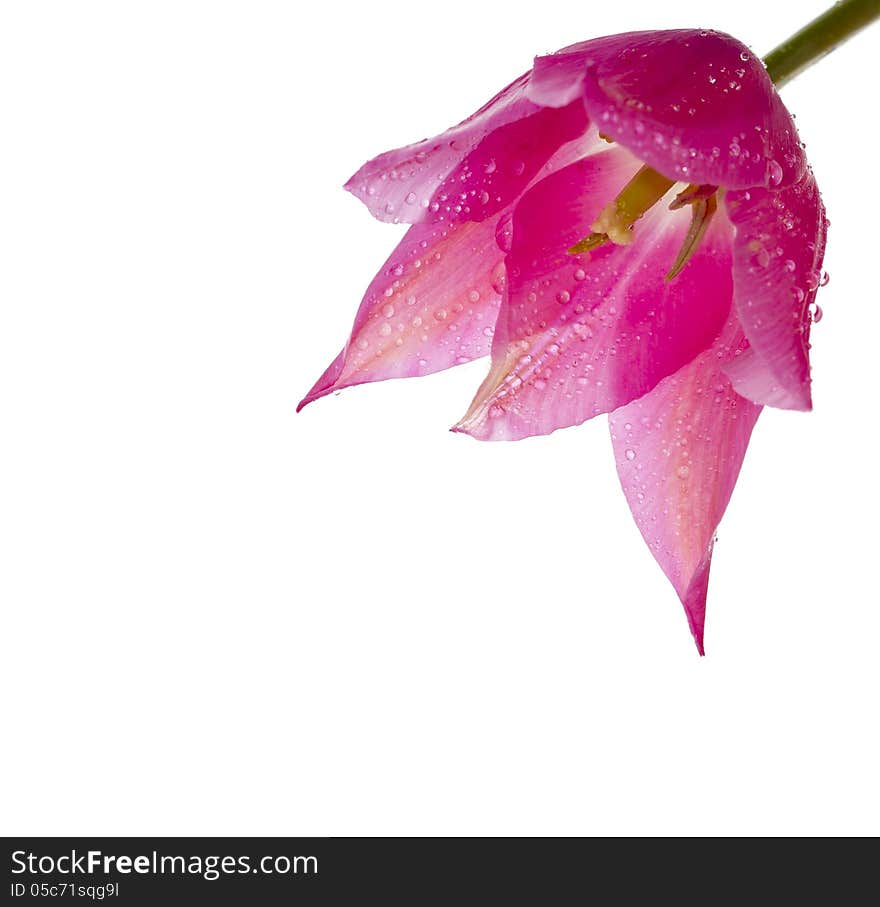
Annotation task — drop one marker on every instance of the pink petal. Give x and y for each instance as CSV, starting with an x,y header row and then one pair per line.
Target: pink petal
x,y
432,305
470,171
696,105
580,335
679,450
778,252
497,171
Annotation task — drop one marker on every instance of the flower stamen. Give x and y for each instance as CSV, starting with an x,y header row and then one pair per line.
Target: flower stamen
x,y
704,204
615,222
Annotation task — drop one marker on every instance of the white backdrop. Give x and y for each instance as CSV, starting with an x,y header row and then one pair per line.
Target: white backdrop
x,y
222,618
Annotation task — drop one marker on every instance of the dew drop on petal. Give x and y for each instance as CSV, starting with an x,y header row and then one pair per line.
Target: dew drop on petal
x,y
499,278
630,454
504,233
774,172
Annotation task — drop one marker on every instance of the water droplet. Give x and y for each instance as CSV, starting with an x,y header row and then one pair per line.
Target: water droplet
x,y
580,274
411,198
817,314
484,197
789,265
744,56
825,278
499,277
518,168
563,297
490,167
388,311
441,314
762,257
774,172
630,454
473,296
504,233
363,343
683,472
384,329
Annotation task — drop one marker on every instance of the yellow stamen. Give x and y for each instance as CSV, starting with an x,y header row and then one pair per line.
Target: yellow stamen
x,y
702,209
616,220
690,194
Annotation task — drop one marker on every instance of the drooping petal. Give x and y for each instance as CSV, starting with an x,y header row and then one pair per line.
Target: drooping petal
x,y
696,105
432,305
778,252
678,451
472,170
579,335
497,171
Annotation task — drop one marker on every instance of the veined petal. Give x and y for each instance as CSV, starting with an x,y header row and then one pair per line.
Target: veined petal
x,y
580,335
472,170
497,171
678,451
398,185
696,105
431,306
778,252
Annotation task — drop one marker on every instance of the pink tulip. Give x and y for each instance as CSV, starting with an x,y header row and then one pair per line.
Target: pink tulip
x,y
630,228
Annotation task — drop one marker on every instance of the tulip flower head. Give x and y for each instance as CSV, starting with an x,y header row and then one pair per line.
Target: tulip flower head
x,y
630,228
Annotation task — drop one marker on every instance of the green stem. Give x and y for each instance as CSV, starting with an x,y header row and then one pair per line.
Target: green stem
x,y
819,37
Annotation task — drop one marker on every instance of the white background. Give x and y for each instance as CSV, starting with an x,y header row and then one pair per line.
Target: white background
x,y
222,618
